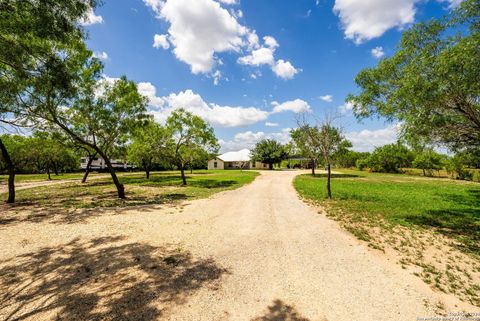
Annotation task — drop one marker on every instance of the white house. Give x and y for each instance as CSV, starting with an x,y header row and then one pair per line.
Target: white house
x,y
235,160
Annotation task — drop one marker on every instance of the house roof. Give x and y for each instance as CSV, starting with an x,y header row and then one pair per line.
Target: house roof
x,y
239,156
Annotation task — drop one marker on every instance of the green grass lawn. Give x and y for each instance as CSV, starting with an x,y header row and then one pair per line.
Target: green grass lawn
x,y
161,188
450,207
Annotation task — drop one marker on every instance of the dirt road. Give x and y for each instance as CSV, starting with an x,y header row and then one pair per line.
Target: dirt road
x,y
256,253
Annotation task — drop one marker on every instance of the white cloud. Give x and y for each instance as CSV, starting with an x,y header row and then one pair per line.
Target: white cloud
x,y
102,55
377,52
248,139
367,19
199,29
265,56
346,108
262,56
217,75
366,140
91,18
224,116
161,41
296,106
269,124
270,42
284,69
327,98
229,2
452,3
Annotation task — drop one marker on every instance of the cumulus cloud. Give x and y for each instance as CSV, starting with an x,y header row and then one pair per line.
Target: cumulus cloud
x,y
367,19
284,69
199,30
327,98
346,108
91,18
102,55
366,140
296,106
248,139
223,116
377,52
161,41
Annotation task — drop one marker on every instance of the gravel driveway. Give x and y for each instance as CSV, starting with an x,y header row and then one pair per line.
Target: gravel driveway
x,y
282,260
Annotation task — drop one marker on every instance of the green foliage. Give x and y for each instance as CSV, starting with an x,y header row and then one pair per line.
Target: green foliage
x,y
149,146
428,161
192,138
390,158
40,153
431,84
456,167
348,159
269,151
304,145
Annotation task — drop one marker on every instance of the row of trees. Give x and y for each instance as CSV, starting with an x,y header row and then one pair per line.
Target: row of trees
x,y
394,158
50,82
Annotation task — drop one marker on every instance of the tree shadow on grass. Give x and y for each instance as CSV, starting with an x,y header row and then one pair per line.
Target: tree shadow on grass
x,y
334,176
279,311
102,279
461,223
70,210
212,183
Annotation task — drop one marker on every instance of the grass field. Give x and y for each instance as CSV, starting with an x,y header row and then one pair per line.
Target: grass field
x,y
432,223
161,188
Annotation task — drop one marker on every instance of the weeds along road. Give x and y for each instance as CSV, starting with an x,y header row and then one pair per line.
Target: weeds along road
x,y
255,253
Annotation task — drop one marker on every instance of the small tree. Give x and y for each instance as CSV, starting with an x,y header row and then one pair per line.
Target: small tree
x,y
190,134
149,145
302,138
269,151
329,140
390,158
428,161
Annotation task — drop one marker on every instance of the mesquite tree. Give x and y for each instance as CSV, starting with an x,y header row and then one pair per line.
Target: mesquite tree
x,y
32,35
190,133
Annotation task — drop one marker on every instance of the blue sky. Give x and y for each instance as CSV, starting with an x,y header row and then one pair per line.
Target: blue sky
x,y
251,67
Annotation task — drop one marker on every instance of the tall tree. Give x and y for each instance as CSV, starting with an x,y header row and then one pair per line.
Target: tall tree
x,y
269,151
190,134
98,113
32,35
432,82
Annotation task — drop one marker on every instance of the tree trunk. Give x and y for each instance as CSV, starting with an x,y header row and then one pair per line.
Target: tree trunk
x,y
48,173
87,170
270,166
329,176
11,173
118,185
55,169
423,171
313,168
182,172
147,173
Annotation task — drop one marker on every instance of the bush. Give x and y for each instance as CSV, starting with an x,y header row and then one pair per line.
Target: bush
x,y
390,158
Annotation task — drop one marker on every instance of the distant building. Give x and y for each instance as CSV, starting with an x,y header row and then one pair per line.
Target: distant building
x,y
235,160
98,163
